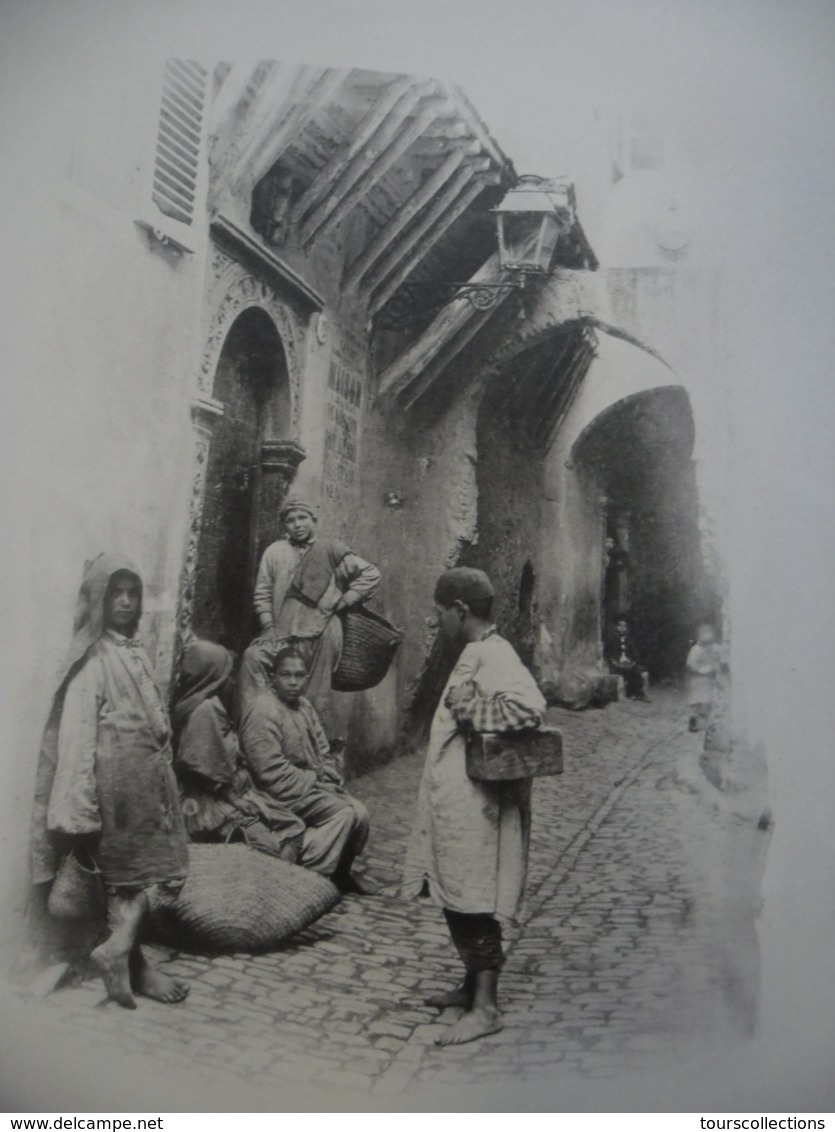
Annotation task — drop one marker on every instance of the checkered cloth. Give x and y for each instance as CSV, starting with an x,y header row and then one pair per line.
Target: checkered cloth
x,y
503,711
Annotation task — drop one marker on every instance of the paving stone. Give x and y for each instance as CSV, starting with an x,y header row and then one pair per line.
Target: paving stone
x,y
623,942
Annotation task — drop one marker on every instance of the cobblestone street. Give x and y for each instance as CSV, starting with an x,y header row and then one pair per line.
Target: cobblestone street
x,y
637,943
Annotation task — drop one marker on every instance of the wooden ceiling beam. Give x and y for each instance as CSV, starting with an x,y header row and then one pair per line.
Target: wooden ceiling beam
x,y
273,103
284,115
395,139
403,217
232,91
450,129
402,96
420,384
462,191
449,323
438,146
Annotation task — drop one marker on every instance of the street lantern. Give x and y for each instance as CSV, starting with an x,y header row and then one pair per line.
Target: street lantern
x,y
530,220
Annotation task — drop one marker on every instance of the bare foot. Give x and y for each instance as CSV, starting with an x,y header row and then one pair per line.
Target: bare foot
x,y
474,1024
162,988
461,996
154,984
111,962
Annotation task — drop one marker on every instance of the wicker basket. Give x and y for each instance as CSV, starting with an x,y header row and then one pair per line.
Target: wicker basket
x,y
236,899
77,892
369,643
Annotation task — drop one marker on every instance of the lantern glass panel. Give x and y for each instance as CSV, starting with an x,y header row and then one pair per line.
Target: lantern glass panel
x,y
527,240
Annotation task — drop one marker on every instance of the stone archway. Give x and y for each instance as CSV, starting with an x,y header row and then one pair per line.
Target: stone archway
x,y
635,461
621,466
246,424
234,290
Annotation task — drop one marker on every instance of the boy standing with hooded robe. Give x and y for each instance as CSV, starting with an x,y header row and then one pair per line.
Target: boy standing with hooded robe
x,y
469,845
105,787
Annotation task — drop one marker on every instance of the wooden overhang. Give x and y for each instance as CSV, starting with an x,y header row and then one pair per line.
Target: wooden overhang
x,y
391,165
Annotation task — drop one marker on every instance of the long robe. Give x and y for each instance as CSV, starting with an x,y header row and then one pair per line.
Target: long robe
x,y
469,842
218,795
114,775
703,663
288,754
105,763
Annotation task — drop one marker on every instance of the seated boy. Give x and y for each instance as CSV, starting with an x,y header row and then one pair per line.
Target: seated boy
x,y
289,757
219,801
622,655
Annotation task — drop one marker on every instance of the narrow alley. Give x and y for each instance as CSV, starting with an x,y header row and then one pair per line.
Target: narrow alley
x,y
637,942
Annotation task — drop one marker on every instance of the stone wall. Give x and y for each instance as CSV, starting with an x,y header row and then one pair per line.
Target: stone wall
x,y
99,434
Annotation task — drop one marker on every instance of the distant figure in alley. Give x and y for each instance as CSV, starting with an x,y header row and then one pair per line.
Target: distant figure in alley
x,y
622,656
469,845
703,667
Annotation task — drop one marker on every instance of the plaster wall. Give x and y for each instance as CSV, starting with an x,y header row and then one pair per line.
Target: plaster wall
x,y
99,447
431,466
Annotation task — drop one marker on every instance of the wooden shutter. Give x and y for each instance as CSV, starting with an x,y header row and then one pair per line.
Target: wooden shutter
x,y
179,137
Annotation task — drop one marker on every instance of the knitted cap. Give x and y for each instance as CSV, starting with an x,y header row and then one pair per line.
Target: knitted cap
x,y
296,505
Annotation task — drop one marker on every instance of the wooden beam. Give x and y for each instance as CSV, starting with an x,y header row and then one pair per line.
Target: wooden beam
x,y
403,217
476,125
452,319
273,101
284,118
421,383
452,129
401,95
248,247
398,251
365,173
438,146
390,275
231,118
230,94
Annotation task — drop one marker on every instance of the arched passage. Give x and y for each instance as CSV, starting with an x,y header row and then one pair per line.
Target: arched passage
x,y
588,435
634,460
241,497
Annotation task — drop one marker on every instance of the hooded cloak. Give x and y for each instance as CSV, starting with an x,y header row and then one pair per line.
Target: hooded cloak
x,y
88,627
105,764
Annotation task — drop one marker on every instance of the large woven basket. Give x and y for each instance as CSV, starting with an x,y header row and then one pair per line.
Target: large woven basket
x,y
237,899
369,643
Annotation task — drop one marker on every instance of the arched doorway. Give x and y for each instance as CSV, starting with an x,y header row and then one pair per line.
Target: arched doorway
x,y
635,458
242,490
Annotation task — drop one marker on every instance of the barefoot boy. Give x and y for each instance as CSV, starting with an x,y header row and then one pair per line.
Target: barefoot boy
x,y
106,789
469,844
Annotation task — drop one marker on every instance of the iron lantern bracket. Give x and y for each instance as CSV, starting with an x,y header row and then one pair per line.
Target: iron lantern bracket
x,y
415,300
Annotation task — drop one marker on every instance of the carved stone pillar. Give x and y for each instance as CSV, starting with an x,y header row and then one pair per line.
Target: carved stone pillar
x,y
280,461
282,458
205,413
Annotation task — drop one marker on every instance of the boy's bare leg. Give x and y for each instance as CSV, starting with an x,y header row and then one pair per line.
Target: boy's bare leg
x,y
462,995
153,984
125,913
482,1019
